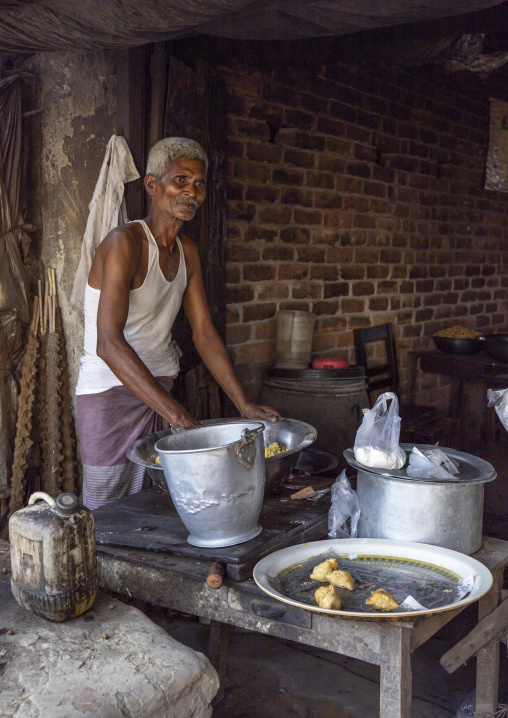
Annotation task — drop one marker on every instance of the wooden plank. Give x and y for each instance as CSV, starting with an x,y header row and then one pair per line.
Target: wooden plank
x,y
218,654
487,629
159,63
487,660
493,554
131,114
396,677
180,591
427,627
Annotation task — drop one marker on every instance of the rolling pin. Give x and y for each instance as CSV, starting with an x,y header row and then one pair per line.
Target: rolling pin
x,y
216,574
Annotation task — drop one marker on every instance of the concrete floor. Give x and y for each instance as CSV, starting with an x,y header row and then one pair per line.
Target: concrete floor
x,y
270,678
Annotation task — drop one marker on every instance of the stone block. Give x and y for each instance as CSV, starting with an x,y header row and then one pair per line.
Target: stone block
x,y
70,670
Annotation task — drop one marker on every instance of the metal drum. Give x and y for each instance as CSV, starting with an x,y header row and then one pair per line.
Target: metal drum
x,y
330,400
216,478
431,511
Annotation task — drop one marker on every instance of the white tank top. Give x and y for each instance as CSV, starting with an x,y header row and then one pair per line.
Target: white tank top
x,y
152,311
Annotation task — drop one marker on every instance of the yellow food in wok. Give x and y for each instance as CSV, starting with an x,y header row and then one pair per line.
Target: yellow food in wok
x,y
458,332
275,448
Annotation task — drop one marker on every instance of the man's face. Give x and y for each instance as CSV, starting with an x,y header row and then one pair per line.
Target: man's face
x,y
180,192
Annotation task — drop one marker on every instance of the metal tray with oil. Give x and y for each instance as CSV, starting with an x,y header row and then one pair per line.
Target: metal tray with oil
x,y
428,573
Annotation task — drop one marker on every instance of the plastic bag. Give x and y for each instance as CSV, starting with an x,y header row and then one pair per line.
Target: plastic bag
x,y
431,464
344,508
377,439
498,398
467,707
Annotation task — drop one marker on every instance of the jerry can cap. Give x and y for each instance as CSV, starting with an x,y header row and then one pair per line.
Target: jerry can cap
x,y
67,504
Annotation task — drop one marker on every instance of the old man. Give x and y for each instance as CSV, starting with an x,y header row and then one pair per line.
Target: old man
x,y
141,274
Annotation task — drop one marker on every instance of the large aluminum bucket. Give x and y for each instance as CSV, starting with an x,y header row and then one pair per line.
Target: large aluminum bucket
x,y
216,478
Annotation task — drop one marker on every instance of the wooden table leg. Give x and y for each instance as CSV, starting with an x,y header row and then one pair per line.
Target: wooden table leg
x,y
396,679
218,654
487,659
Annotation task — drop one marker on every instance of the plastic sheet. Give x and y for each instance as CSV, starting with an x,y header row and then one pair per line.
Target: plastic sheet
x,y
431,464
345,511
59,25
14,311
498,398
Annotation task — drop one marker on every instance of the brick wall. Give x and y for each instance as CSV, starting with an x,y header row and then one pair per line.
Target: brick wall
x,y
359,197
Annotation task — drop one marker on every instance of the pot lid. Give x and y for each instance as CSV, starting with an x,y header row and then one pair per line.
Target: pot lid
x,y
472,469
352,372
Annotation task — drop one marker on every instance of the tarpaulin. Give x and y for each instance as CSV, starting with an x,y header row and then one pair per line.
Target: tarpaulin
x,y
39,25
14,308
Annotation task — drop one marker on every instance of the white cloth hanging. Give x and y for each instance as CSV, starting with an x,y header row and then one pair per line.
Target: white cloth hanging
x,y
107,208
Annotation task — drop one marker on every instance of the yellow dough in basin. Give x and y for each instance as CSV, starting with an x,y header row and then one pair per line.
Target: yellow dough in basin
x,y
382,600
322,570
341,579
326,597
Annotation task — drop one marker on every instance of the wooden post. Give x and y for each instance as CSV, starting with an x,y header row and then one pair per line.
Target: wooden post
x,y
396,677
487,659
218,654
131,74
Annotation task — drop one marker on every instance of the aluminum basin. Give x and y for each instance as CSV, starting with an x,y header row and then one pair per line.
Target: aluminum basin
x,y
296,435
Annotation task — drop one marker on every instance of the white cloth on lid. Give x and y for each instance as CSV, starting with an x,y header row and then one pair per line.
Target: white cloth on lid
x,y
107,208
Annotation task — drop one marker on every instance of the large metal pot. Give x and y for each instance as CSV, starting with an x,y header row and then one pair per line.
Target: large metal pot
x,y
216,478
440,513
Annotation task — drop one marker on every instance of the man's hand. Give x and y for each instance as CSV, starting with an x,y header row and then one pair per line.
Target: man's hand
x,y
255,411
179,415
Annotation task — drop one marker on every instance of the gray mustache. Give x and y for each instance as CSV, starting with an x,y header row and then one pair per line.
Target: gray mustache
x,y
191,202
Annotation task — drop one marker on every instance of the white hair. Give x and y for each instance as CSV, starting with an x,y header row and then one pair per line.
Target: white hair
x,y
165,151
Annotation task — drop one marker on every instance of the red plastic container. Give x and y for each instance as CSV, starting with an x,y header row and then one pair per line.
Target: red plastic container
x,y
330,363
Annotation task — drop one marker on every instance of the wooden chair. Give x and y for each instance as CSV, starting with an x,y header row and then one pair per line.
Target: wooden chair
x,y
420,424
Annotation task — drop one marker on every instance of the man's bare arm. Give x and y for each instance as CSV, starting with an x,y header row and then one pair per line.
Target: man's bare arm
x,y
210,346
120,257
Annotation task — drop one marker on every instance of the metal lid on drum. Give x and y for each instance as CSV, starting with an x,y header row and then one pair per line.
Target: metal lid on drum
x,y
472,469
352,372
318,381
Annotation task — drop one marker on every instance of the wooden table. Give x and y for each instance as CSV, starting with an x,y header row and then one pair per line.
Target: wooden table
x,y
178,583
474,421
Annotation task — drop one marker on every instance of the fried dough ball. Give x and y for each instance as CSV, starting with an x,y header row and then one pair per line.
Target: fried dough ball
x,y
326,597
341,579
322,570
382,600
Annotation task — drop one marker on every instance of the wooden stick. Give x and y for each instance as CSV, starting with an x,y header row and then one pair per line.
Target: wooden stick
x,y
46,294
216,574
35,316
40,304
40,311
